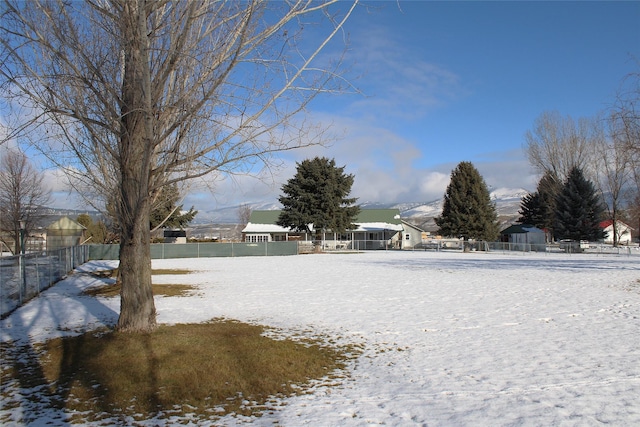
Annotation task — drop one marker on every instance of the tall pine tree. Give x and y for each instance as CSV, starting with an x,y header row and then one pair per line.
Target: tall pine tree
x,y
468,211
538,209
530,210
548,189
579,209
317,195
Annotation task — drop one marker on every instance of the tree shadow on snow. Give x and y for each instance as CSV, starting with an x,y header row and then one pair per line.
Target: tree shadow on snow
x,y
25,389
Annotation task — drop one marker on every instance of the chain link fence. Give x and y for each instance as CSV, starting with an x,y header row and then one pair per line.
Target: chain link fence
x,y
22,277
548,248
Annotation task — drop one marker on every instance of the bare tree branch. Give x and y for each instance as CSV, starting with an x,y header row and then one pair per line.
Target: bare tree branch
x,y
22,197
135,95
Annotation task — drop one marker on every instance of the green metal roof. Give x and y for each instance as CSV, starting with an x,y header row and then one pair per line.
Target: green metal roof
x,y
264,217
520,229
389,216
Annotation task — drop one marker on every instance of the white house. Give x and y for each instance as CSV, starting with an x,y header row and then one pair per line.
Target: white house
x,y
375,229
622,229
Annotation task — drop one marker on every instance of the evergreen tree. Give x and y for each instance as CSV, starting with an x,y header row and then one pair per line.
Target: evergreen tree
x,y
579,209
468,211
165,211
531,210
538,208
548,189
317,195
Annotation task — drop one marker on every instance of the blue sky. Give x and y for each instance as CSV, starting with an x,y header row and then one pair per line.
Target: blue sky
x,y
445,82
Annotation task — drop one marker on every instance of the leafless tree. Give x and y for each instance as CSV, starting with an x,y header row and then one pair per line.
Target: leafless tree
x,y
134,95
556,144
625,130
612,170
244,214
22,196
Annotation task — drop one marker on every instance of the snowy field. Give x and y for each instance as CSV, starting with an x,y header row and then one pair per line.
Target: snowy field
x,y
450,339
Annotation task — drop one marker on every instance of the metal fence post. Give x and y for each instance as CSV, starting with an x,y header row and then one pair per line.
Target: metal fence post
x,y
21,281
37,263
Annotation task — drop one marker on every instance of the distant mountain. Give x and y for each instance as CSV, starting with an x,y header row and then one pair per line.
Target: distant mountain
x,y
420,213
230,214
507,202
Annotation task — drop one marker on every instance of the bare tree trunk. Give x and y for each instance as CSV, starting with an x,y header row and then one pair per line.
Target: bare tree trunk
x,y
137,310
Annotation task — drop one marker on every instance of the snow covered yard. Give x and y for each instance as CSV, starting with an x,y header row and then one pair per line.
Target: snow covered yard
x,y
449,338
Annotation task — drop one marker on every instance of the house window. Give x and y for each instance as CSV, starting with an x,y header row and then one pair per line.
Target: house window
x,y
257,238
407,236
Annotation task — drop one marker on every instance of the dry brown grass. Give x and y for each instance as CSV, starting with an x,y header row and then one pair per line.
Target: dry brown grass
x,y
167,290
206,370
161,271
157,271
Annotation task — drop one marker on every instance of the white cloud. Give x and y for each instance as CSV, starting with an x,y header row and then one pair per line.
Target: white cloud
x,y
383,162
403,84
433,185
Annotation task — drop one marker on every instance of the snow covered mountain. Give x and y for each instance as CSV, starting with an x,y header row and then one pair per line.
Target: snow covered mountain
x,y
507,201
231,214
422,213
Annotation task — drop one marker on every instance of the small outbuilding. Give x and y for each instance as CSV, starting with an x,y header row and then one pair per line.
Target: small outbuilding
x,y
523,237
412,236
175,236
64,233
622,229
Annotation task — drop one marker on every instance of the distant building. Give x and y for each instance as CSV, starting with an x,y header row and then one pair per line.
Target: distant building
x,y
412,236
375,229
624,232
524,237
64,233
175,236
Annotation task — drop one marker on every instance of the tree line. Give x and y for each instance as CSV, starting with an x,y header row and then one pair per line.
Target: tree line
x,y
316,199
600,159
